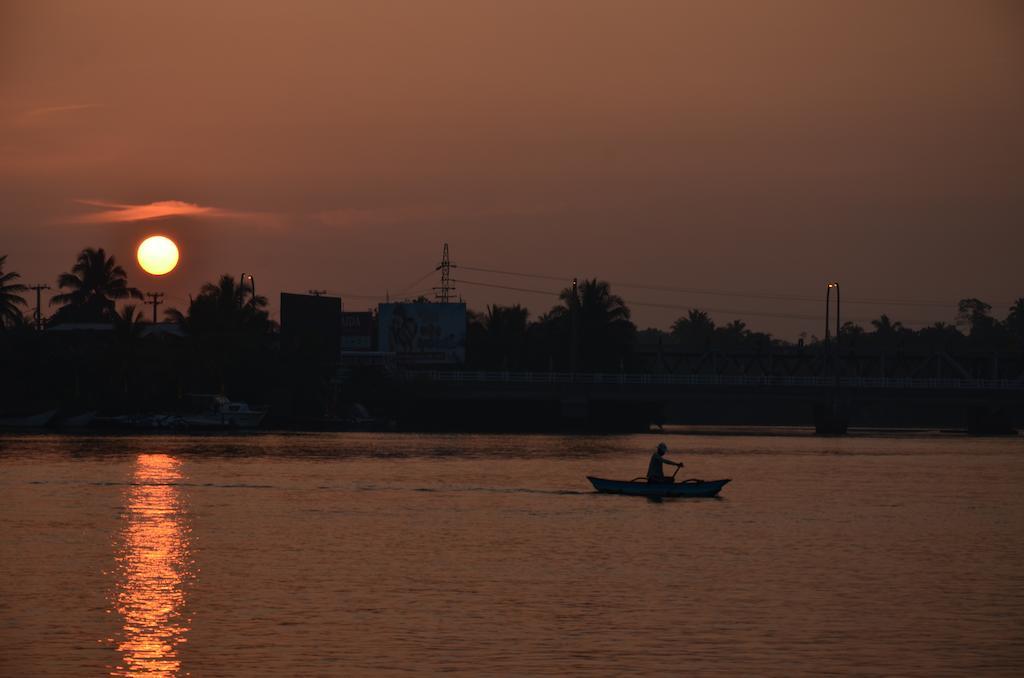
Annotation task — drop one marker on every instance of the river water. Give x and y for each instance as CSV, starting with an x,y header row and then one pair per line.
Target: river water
x,y
367,554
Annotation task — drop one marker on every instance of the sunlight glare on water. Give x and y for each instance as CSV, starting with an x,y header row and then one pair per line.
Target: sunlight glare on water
x,y
153,569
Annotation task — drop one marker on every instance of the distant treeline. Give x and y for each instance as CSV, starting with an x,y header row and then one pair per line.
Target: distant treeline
x,y
224,341
606,338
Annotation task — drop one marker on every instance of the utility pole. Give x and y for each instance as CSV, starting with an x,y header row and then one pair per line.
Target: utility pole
x,y
443,293
39,315
574,304
157,299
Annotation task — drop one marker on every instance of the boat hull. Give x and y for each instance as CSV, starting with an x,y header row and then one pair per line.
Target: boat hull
x,y
78,421
224,420
700,488
32,421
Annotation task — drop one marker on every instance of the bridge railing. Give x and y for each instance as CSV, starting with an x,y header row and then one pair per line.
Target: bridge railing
x,y
474,377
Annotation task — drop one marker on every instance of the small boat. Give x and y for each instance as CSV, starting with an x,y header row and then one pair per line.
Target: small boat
x,y
641,488
222,413
78,420
142,422
29,421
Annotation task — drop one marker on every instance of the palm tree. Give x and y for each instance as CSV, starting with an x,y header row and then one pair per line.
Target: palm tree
x,y
223,306
603,329
694,329
95,282
884,326
128,323
226,327
10,300
593,299
505,332
888,333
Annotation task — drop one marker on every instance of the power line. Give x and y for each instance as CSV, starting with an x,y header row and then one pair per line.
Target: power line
x,y
729,293
679,307
561,278
658,288
417,281
507,287
419,292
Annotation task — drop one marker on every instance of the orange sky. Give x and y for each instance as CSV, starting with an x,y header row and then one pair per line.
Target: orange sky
x,y
757,147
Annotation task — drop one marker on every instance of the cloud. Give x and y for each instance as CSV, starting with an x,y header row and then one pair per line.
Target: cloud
x,y
161,209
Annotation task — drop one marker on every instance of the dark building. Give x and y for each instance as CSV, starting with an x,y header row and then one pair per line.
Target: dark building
x,y
311,324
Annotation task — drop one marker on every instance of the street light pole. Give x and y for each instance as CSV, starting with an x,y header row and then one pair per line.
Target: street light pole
x,y
574,303
831,416
828,305
835,351
241,288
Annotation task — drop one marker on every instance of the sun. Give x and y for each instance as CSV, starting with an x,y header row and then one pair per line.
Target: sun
x,y
158,255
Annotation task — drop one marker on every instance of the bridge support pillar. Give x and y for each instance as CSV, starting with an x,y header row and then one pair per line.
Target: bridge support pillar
x,y
831,417
986,420
575,408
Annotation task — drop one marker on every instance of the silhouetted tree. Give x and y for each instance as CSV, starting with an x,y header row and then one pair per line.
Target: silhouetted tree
x,y
505,335
694,330
1015,322
10,299
886,327
733,335
850,329
226,327
128,323
128,326
95,283
973,312
604,332
224,306
939,336
984,329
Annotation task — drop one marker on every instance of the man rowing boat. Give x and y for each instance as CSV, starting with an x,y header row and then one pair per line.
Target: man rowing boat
x,y
655,469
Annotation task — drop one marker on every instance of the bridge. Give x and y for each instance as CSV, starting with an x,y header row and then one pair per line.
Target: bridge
x,y
1015,386
982,392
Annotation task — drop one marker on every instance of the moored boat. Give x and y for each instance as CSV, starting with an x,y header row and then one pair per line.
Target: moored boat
x,y
28,421
641,488
222,413
78,420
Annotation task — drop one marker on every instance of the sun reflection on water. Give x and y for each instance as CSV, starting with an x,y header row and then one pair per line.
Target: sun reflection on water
x,y
154,565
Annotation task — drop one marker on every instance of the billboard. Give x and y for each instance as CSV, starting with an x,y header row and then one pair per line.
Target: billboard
x,y
423,333
356,331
